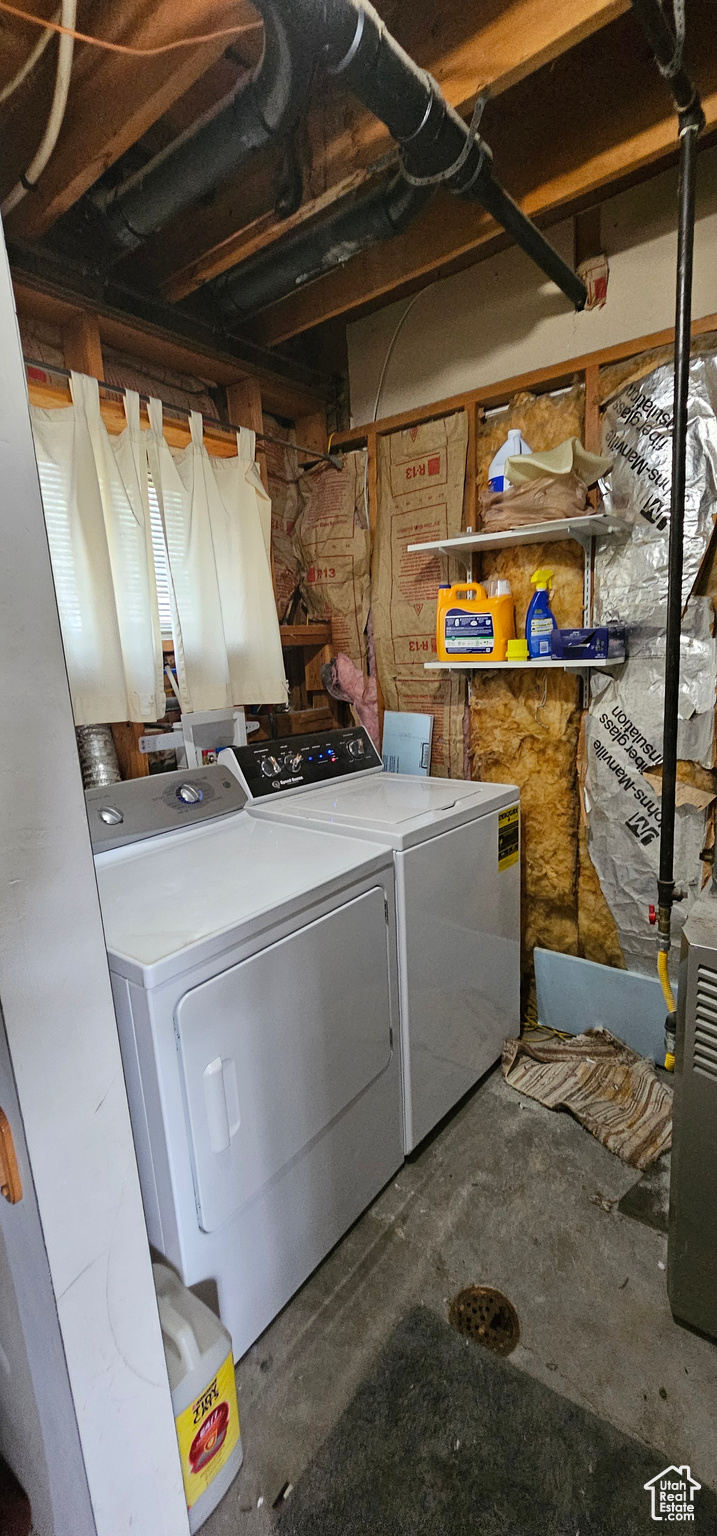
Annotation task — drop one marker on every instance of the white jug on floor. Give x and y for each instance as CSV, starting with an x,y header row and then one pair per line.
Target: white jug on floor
x,y
200,1364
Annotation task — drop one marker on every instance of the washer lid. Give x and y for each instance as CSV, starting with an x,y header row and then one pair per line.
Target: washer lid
x,y
395,804
175,900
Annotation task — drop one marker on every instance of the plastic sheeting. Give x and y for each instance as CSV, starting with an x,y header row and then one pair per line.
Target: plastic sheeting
x,y
631,571
624,726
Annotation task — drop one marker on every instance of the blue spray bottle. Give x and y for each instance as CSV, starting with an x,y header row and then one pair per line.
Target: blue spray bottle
x,y
540,620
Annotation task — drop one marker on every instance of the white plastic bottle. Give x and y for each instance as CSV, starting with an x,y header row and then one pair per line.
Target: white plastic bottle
x,y
514,444
200,1365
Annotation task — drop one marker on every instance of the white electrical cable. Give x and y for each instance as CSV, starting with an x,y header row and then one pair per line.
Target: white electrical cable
x,y
384,370
57,112
391,345
30,62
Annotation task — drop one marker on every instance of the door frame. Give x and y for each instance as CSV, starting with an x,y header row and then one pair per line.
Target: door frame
x,y
61,1029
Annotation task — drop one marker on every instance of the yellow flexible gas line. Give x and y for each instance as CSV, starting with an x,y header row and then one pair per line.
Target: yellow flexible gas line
x,y
664,975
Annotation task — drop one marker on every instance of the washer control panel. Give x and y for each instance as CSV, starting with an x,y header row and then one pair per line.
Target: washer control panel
x,y
296,762
138,808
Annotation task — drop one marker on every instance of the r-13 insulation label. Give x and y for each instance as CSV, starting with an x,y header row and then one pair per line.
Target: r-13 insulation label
x,y
508,837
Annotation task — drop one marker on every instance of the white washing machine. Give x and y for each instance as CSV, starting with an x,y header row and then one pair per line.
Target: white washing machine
x,y
456,847
255,982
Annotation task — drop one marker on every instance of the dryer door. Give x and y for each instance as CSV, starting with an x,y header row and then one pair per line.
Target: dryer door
x,y
276,1047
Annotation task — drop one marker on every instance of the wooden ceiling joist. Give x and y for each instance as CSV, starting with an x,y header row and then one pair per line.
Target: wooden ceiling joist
x,y
577,110
117,98
596,118
151,344
466,51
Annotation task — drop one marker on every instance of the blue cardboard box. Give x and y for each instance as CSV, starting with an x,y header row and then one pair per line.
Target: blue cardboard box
x,y
601,643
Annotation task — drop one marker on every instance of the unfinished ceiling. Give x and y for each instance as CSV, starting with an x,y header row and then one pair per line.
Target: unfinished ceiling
x,y
576,110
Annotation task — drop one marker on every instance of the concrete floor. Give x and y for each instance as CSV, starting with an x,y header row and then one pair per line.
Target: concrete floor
x,y
502,1196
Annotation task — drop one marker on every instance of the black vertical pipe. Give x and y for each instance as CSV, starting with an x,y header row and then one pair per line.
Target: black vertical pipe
x,y
683,318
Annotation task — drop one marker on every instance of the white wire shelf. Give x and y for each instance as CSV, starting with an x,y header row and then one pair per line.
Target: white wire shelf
x,y
579,528
535,665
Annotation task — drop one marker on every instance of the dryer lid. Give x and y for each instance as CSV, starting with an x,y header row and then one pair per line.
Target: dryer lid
x,y
175,900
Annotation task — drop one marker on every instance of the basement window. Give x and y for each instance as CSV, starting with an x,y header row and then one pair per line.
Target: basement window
x,y
161,563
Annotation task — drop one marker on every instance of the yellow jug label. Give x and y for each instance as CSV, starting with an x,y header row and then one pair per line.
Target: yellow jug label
x,y
208,1431
508,837
468,632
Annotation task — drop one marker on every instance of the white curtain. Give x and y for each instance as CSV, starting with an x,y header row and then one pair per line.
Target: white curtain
x,y
184,483
216,522
102,565
240,516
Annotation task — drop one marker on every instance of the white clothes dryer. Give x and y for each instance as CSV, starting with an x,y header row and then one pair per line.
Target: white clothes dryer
x,y
456,848
254,976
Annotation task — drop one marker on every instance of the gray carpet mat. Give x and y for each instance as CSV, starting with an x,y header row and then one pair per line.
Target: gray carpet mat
x,y
445,1439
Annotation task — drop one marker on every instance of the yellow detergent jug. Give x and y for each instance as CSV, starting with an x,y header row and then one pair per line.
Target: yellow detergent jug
x,y
470,626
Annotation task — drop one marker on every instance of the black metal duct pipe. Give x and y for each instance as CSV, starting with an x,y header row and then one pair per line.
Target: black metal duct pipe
x,y
438,150
437,146
215,148
667,49
318,248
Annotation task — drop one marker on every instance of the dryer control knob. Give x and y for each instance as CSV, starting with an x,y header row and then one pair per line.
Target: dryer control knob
x,y
189,794
110,815
294,762
270,766
356,748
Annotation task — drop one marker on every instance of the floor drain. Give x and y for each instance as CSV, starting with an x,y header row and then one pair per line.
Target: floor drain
x,y
486,1315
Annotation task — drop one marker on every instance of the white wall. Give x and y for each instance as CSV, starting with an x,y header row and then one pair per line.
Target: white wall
x,y
61,1029
502,317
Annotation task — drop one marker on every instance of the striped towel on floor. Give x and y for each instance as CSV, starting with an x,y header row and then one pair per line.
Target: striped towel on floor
x,y
614,1093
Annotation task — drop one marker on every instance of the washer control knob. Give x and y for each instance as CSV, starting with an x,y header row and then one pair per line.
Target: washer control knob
x,y
357,748
188,794
270,766
295,761
110,815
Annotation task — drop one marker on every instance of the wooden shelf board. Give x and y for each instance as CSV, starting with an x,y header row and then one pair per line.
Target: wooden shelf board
x,y
304,634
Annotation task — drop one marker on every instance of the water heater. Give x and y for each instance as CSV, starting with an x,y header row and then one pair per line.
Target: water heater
x,y
692,1243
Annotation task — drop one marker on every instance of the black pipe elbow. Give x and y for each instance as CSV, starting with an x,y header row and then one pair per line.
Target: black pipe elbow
x,y
149,199
208,153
